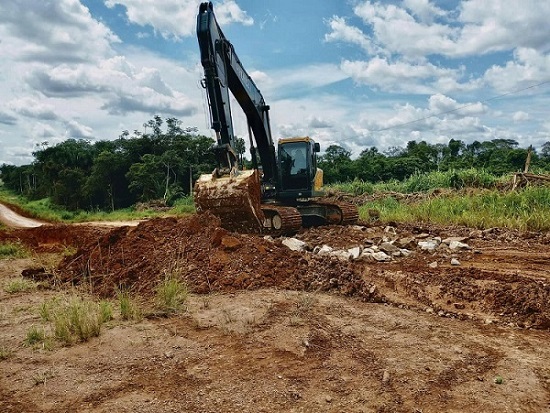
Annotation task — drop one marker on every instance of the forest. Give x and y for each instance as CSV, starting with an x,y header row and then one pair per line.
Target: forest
x,y
163,162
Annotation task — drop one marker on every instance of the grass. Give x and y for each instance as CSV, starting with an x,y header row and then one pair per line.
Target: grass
x,y
129,310
35,335
75,319
525,210
44,209
13,250
5,353
171,295
20,285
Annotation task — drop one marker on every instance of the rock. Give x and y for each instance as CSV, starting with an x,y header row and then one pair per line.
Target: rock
x,y
455,262
341,255
386,377
405,252
294,244
381,256
424,235
406,242
476,233
433,264
324,250
457,245
355,252
451,239
459,306
388,247
428,245
391,230
328,399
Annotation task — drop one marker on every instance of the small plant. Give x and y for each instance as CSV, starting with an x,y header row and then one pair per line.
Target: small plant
x,y
20,285
171,295
43,377
13,250
35,335
128,308
5,353
499,380
105,311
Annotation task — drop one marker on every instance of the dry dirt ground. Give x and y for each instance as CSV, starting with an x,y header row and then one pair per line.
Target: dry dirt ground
x,y
268,329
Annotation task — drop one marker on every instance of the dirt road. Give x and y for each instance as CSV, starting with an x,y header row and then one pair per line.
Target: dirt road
x,y
11,218
268,329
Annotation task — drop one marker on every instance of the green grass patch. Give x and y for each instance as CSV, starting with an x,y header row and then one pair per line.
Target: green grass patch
x,y
35,335
525,210
13,250
129,309
20,285
171,295
75,319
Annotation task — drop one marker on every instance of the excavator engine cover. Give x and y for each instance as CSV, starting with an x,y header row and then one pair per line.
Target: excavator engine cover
x,y
235,199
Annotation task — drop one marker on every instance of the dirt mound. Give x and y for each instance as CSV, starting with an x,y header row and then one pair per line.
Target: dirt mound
x,y
52,238
208,257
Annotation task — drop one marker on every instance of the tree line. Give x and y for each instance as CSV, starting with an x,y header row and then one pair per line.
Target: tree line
x,y
498,157
165,160
107,175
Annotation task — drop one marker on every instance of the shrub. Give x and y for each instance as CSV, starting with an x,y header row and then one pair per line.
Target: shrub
x,y
171,295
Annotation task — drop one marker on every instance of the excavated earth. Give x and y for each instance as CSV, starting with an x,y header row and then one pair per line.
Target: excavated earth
x,y
427,326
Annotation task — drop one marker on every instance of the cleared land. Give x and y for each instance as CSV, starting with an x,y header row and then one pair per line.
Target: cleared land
x,y
268,329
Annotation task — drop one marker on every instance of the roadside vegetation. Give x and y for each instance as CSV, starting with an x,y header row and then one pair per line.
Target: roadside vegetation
x,y
13,250
150,174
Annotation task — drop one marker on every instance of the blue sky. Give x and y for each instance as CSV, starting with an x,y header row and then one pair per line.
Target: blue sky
x,y
355,73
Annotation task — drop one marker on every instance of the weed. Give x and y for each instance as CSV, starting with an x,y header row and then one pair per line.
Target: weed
x,y
43,377
128,308
171,295
105,311
13,250
35,335
20,285
5,353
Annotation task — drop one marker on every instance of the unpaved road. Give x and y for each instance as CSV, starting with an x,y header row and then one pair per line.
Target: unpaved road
x,y
12,219
280,331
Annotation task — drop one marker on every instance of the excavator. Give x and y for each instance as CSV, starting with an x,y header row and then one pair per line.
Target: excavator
x,y
283,190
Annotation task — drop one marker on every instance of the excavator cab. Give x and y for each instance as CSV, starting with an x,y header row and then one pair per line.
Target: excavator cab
x,y
297,159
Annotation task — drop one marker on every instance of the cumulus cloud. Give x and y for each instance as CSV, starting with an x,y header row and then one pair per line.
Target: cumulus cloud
x,y
33,108
400,76
419,28
7,119
520,116
52,31
173,19
124,87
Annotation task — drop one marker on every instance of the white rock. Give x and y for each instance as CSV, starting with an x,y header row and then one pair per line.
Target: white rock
x,y
324,250
355,252
381,256
341,255
405,252
457,245
294,244
451,239
433,264
429,245
455,262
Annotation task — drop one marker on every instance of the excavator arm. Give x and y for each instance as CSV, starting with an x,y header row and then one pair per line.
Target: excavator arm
x,y
224,73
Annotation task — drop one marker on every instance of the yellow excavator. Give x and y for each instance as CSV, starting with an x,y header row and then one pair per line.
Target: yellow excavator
x,y
282,192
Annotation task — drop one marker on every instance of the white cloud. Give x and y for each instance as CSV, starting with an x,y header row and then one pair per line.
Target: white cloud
x,y
379,73
52,31
33,108
341,31
173,19
520,116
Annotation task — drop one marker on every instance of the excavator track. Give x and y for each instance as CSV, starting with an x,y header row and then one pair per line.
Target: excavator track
x,y
339,213
281,220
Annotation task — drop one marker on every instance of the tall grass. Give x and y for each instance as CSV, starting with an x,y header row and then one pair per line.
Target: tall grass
x,y
526,210
425,182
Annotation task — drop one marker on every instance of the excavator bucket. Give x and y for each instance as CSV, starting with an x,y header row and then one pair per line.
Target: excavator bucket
x,y
236,199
